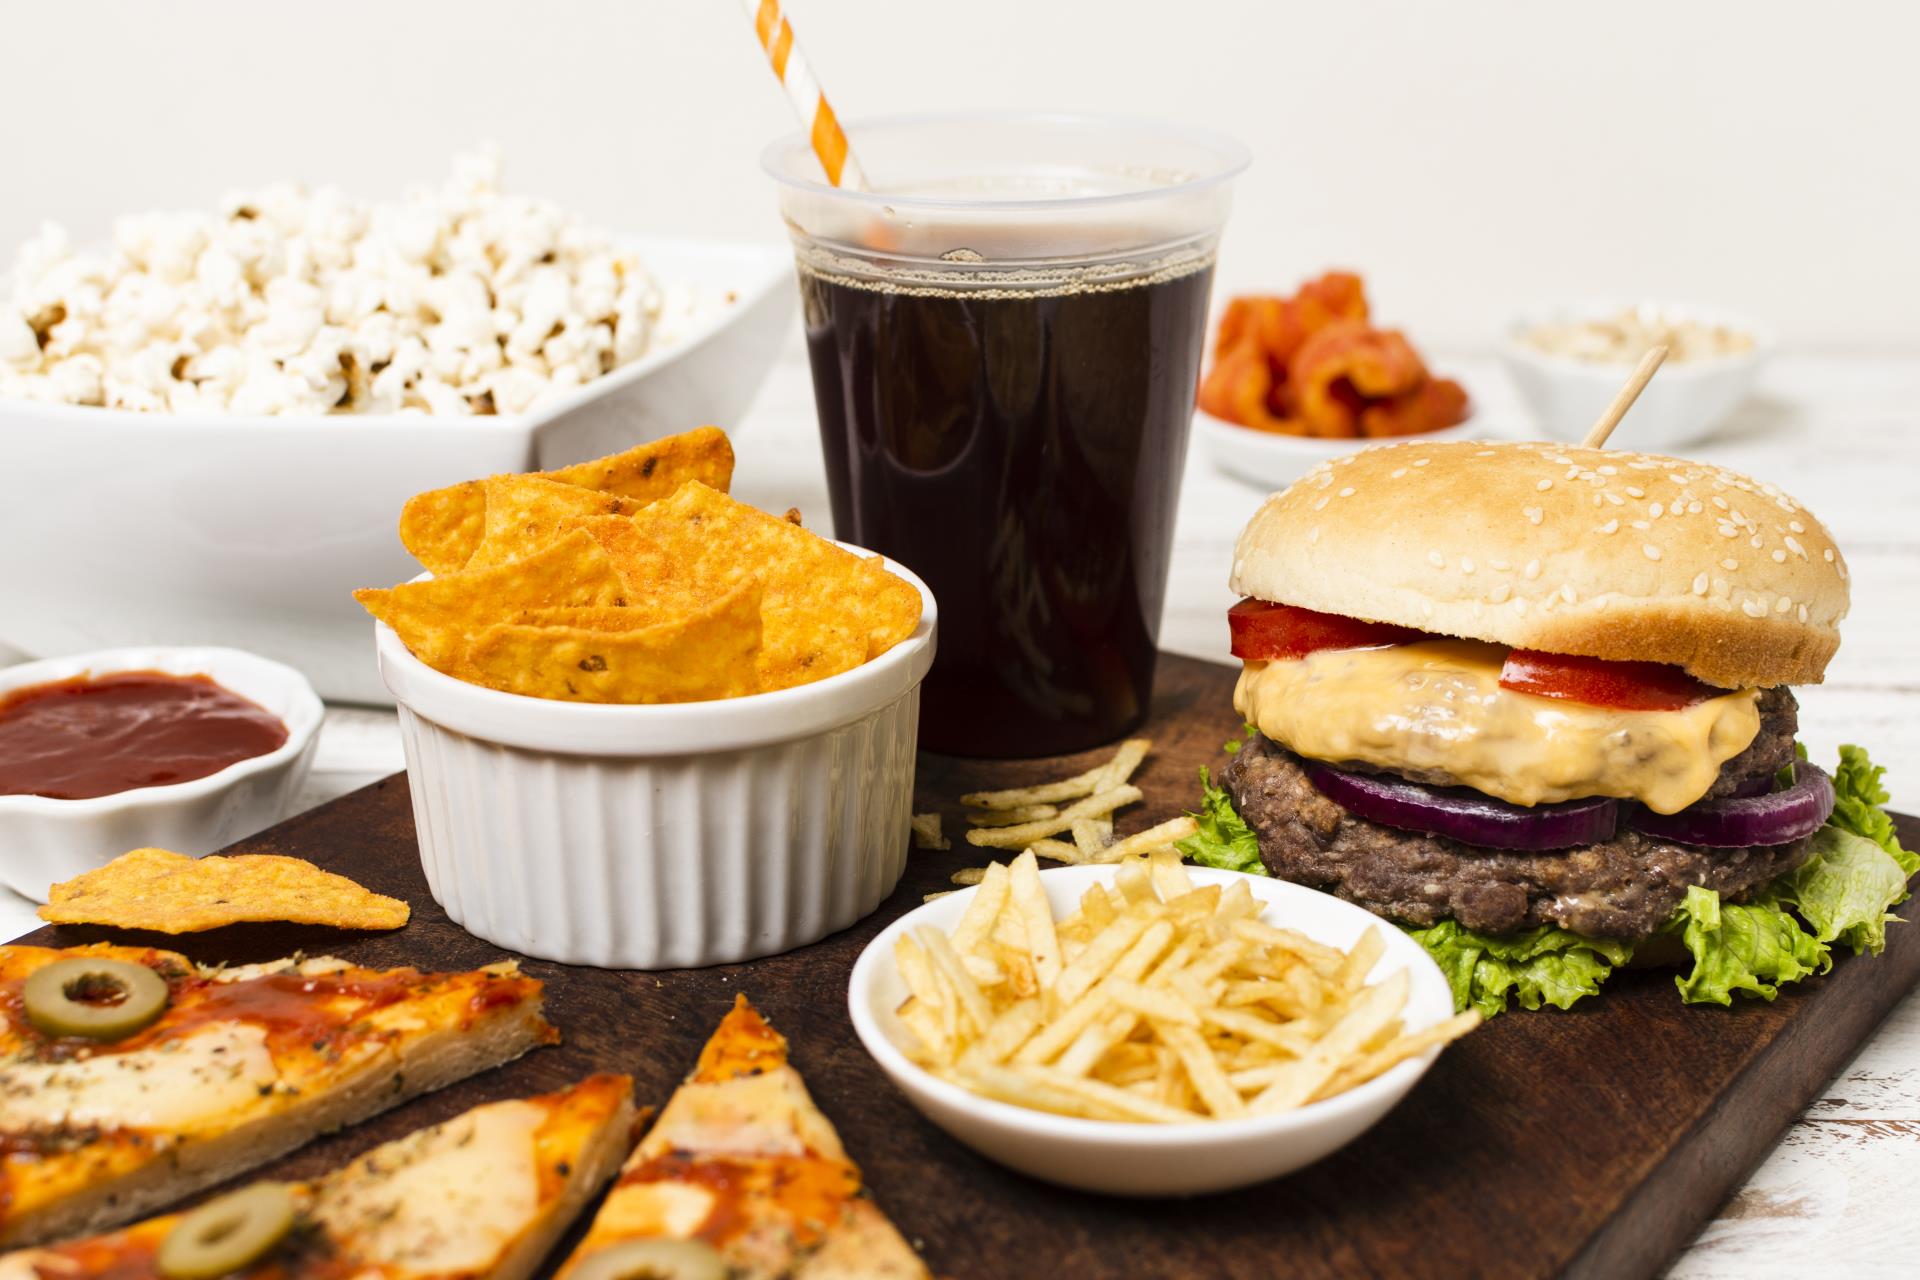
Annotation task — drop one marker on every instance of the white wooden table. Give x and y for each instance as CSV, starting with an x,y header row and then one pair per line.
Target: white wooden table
x,y
1843,435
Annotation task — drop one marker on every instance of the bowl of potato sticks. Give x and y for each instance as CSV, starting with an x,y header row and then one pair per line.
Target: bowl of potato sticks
x,y
646,725
1147,1028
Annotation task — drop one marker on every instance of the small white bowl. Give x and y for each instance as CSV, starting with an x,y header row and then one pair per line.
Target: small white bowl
x,y
1276,461
47,840
667,836
1151,1159
1686,401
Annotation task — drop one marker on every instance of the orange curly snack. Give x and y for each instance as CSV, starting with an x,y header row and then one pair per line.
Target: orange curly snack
x,y
1312,365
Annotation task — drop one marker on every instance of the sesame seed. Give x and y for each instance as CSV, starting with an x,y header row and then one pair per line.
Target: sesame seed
x,y
1656,510
1753,609
1519,604
1466,564
1755,543
1779,557
1720,503
1499,594
1532,570
1484,453
1534,514
1652,552
1728,531
1347,492
1320,503
1720,588
1796,548
1782,605
1700,584
1397,473
1609,470
1544,485
1501,565
1615,499
1693,508
1729,563
1803,613
1641,524
1635,491
1421,462
1609,527
1437,560
1313,535
1567,592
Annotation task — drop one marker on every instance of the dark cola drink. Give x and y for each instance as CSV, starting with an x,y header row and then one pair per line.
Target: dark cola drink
x,y
1022,452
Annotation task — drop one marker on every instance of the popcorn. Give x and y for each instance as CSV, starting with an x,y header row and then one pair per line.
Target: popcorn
x,y
448,302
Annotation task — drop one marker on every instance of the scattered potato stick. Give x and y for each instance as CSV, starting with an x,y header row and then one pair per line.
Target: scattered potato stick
x,y
1160,837
938,893
927,833
1025,833
1091,835
1117,770
1057,851
1011,817
1169,877
968,875
1046,793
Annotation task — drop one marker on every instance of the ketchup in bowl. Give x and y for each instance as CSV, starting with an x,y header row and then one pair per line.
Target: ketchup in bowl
x,y
100,735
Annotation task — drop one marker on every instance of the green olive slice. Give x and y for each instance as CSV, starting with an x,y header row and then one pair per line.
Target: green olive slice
x,y
654,1260
97,998
227,1233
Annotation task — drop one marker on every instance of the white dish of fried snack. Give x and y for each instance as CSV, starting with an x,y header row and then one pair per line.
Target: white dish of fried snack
x,y
1286,1124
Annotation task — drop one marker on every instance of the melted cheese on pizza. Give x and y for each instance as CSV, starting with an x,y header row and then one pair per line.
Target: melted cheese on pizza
x,y
451,1201
233,1048
742,1159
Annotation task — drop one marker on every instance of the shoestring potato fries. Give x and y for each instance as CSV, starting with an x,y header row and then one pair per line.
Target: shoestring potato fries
x,y
1154,1002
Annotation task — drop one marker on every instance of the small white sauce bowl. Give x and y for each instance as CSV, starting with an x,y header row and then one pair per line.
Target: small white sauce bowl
x,y
1275,461
44,840
1686,401
1151,1159
664,836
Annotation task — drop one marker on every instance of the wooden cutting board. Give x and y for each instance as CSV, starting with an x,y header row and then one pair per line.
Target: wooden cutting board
x,y
1589,1143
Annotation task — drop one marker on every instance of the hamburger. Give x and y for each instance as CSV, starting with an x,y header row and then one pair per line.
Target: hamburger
x,y
1534,703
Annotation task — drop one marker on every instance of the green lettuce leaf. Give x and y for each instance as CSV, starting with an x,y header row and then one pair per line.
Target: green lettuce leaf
x,y
1545,965
1857,799
1223,841
1844,891
1752,947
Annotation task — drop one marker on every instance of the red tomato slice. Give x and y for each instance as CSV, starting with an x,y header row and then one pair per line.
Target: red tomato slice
x,y
1632,686
1265,632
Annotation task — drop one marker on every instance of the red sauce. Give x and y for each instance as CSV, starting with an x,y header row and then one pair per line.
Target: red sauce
x,y
99,735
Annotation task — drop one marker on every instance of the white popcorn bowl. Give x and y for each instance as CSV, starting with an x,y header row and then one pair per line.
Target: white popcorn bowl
x,y
162,528
667,836
1152,1159
44,840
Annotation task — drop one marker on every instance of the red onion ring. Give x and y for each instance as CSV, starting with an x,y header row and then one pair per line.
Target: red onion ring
x,y
1775,818
1461,813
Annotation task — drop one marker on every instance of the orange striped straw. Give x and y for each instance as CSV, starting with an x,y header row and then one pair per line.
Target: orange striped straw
x,y
803,91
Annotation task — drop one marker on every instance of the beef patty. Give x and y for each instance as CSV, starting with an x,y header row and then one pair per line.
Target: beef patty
x,y
1626,887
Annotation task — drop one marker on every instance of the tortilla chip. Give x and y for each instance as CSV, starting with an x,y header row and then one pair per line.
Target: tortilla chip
x,y
707,655
825,611
442,528
526,513
172,893
437,619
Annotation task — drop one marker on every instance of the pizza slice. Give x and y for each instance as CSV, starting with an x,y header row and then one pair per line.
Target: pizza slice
x,y
129,1078
481,1197
742,1179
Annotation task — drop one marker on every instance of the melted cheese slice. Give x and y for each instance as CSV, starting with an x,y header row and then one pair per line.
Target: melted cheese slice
x,y
448,1199
1437,708
175,1087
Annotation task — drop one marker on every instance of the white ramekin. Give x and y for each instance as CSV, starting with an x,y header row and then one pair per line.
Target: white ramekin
x,y
44,840
669,836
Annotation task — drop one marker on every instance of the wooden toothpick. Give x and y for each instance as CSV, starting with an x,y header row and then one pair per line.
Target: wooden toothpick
x,y
1597,437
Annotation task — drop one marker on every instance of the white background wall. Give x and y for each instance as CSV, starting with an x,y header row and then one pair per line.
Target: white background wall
x,y
1469,157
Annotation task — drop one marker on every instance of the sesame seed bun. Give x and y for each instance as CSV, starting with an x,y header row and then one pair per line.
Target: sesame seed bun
x,y
1625,556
